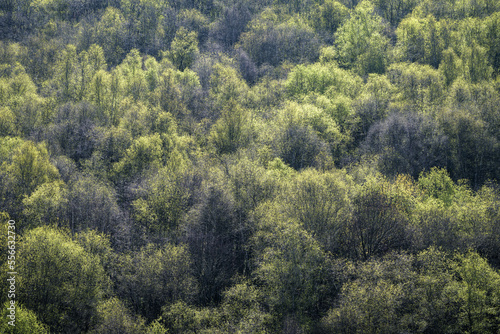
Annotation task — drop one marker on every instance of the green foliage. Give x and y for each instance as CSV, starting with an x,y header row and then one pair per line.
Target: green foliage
x,y
18,94
399,293
475,63
319,201
216,234
406,144
379,218
109,33
92,205
395,10
242,310
329,16
225,85
369,308
307,135
450,66
271,42
26,168
471,141
66,72
167,196
251,166
114,317
438,184
7,122
478,292
144,153
59,280
420,86
133,76
156,266
184,48
291,265
422,39
232,130
322,79
25,322
360,42
251,184
182,318
46,205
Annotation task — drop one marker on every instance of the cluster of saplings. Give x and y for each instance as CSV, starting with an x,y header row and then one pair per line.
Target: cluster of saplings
x,y
306,166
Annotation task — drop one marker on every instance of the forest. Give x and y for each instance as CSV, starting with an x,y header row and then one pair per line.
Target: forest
x,y
250,166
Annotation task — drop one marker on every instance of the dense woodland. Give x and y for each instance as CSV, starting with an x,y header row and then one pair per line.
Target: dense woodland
x,y
251,166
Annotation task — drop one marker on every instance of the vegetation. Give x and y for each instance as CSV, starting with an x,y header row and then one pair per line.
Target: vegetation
x,y
306,166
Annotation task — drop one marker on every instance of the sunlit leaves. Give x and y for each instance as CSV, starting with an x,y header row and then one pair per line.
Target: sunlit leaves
x,y
290,264
184,48
360,41
61,282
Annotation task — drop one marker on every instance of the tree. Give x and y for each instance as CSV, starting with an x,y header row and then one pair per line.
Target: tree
x,y
47,205
66,74
226,84
360,41
422,40
372,105
366,308
154,277
216,238
396,293
379,220
232,130
329,16
437,184
319,201
395,10
325,79
299,146
231,24
272,43
59,280
251,184
144,153
90,62
181,318
110,34
137,118
19,94
92,205
7,122
242,310
112,146
115,318
26,321
475,63
184,48
178,93
133,76
450,66
473,147
291,266
420,87
192,20
407,144
165,199
435,305
478,291
492,36
26,168
74,131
